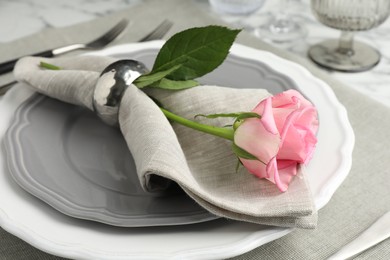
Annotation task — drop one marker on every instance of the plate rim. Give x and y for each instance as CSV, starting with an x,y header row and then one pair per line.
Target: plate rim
x,y
14,148
250,242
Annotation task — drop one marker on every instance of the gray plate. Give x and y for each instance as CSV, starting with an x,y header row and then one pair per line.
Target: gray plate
x,y
64,155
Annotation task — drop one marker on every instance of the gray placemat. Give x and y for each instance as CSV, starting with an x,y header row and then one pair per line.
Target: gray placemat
x,y
361,199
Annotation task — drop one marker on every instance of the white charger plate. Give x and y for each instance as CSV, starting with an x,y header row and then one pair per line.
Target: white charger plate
x,y
51,231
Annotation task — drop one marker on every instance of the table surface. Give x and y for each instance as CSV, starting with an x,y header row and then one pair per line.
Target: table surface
x,y
26,17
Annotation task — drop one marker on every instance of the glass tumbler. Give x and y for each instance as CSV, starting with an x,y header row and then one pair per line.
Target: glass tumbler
x,y
349,16
236,7
282,27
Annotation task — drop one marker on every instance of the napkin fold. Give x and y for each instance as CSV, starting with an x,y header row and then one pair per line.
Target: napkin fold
x,y
203,165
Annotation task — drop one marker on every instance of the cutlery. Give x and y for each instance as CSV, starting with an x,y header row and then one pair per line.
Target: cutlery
x,y
98,43
375,234
158,32
155,34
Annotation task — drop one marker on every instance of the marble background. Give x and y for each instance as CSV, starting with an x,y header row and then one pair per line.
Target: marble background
x,y
19,18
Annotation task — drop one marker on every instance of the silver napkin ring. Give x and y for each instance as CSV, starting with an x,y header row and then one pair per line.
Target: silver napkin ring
x,y
111,86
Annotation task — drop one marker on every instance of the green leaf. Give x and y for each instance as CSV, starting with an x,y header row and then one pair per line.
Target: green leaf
x,y
239,163
219,115
241,153
48,66
175,84
238,115
200,50
245,115
150,78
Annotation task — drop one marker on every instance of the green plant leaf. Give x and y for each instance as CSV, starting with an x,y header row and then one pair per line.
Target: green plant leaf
x,y
241,153
175,84
239,163
238,115
185,56
245,115
219,115
150,78
200,50
48,66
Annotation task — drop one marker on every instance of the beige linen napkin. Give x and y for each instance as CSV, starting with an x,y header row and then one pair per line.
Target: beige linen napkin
x,y
203,165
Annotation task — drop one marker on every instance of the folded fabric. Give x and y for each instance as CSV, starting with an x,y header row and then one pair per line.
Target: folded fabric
x,y
203,165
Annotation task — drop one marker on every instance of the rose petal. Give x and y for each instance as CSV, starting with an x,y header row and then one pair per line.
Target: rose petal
x,y
264,108
259,137
289,98
253,137
255,167
298,141
281,173
308,119
286,171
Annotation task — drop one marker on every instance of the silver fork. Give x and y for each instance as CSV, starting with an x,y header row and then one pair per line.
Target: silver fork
x,y
155,34
98,43
158,32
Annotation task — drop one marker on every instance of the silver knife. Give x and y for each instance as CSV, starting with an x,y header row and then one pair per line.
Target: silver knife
x,y
375,234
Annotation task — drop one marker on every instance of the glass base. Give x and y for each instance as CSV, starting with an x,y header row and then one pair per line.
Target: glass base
x,y
326,54
281,30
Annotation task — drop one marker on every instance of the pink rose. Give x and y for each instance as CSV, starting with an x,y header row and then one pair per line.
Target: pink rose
x,y
282,138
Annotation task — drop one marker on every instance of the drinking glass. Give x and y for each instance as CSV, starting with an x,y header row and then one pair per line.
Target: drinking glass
x,y
281,27
236,7
237,12
349,16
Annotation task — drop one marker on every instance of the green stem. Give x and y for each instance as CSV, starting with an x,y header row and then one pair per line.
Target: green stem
x,y
49,66
226,133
